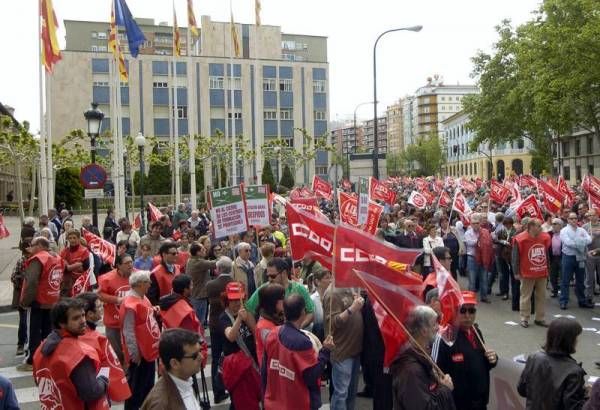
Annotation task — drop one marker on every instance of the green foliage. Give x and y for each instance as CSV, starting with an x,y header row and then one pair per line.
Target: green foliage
x,y
426,154
224,181
395,164
280,149
68,187
267,176
186,180
541,158
287,179
159,176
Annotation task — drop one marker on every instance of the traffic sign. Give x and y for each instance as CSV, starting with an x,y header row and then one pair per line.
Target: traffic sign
x,y
93,193
92,176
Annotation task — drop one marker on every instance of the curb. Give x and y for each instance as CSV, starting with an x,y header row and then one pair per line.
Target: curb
x,y
6,309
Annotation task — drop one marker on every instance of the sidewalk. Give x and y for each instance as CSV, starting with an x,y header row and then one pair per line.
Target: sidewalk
x,y
9,255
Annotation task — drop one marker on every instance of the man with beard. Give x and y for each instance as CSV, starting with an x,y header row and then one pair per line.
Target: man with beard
x,y
68,371
415,384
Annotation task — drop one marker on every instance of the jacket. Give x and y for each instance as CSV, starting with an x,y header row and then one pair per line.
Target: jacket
x,y
414,385
164,395
199,269
551,381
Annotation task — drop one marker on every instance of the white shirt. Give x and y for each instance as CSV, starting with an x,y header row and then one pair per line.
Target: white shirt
x,y
318,313
186,391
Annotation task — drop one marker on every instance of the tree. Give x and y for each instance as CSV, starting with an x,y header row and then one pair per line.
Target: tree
x,y
395,163
159,175
426,154
287,179
68,187
267,176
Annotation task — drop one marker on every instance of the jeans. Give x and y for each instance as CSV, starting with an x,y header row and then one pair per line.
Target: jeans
x,y
201,308
22,332
503,272
592,267
113,334
570,266
345,383
477,272
216,348
40,326
555,266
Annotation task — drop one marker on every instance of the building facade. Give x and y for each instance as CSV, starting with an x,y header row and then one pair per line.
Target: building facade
x,y
369,135
484,163
280,83
395,128
576,155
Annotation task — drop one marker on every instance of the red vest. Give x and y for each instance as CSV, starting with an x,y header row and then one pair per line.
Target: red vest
x,y
147,331
52,375
118,389
264,327
174,316
48,291
164,279
533,261
79,254
112,284
284,374
182,259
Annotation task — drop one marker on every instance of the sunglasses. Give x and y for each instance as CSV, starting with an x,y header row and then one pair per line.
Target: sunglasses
x,y
272,276
193,356
173,253
465,310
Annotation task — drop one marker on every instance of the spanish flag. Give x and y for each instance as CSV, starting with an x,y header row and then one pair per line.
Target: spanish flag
x,y
115,47
192,19
234,38
176,36
49,43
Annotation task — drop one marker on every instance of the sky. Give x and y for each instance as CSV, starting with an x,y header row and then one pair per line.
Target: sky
x,y
453,31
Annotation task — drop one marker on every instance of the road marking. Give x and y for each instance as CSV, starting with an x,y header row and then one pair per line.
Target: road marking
x,y
9,326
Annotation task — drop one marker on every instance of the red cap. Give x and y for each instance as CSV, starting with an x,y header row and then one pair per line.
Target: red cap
x,y
234,291
469,297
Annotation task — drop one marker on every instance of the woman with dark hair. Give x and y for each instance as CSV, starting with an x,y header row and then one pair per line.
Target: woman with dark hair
x,y
270,308
552,379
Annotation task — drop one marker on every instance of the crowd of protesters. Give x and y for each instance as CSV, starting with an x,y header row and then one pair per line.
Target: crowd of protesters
x,y
279,328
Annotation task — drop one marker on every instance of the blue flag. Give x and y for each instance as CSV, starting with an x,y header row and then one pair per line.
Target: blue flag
x,y
123,17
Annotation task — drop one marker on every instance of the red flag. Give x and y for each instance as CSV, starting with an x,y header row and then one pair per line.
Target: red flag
x,y
322,188
106,250
527,180
417,200
467,185
498,192
82,283
515,193
594,202
591,185
531,207
3,230
309,235
552,198
348,207
155,213
346,184
565,190
445,199
461,206
421,184
391,303
450,295
380,191
137,222
355,249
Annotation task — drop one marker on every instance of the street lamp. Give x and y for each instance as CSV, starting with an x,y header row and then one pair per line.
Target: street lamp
x,y
355,137
94,117
125,180
490,163
375,127
140,141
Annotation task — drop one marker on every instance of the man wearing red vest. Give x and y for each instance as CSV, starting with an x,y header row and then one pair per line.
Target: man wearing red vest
x,y
68,371
530,265
113,287
118,389
40,292
176,310
292,364
77,261
163,274
140,334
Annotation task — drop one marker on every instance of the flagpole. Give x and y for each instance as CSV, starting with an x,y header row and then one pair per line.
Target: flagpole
x,y
257,148
232,97
335,231
119,127
43,192
114,119
192,131
171,141
452,209
176,115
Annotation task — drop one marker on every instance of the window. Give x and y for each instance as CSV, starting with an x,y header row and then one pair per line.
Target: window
x,y
475,168
591,169
319,86
181,111
565,151
457,98
285,84
270,115
234,82
286,115
289,142
94,49
520,143
577,148
590,145
102,48
321,170
268,84
102,35
216,83
237,115
566,173
578,173
160,84
100,83
94,34
443,98
320,115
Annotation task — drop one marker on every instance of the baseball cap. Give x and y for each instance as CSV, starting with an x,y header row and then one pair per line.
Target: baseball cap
x,y
469,298
234,291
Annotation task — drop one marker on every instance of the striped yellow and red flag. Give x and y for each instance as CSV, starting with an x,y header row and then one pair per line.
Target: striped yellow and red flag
x,y
234,38
192,19
176,36
49,43
115,47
